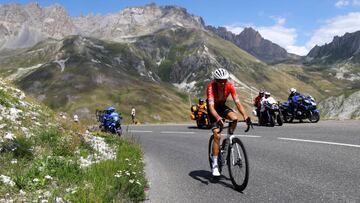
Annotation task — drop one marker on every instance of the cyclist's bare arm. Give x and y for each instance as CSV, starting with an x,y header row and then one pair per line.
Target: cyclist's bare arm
x,y
241,109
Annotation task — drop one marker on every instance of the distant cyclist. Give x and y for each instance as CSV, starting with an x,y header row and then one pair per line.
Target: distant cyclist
x,y
217,92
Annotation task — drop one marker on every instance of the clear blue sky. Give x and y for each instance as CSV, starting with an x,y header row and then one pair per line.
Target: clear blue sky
x,y
300,23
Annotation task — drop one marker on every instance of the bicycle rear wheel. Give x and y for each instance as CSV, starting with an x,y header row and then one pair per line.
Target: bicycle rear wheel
x,y
238,165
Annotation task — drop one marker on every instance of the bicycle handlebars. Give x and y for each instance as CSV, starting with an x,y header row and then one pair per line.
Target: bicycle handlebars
x,y
247,128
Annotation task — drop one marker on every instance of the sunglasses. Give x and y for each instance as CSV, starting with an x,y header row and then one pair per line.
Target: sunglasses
x,y
221,81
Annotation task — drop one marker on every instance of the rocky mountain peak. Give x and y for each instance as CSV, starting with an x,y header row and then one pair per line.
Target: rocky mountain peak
x,y
346,47
251,41
26,25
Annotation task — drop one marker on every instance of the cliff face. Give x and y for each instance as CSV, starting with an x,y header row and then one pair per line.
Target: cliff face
x,y
24,26
344,48
251,41
341,107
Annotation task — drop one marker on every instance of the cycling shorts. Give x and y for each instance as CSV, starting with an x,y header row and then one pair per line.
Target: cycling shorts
x,y
223,111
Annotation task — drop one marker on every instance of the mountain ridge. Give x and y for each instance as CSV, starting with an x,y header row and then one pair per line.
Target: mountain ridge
x,y
343,48
251,41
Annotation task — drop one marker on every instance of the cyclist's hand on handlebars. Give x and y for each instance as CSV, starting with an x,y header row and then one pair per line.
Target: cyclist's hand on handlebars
x,y
220,121
248,123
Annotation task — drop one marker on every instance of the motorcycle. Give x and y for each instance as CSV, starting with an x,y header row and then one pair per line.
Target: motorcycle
x,y
201,116
271,115
109,123
300,107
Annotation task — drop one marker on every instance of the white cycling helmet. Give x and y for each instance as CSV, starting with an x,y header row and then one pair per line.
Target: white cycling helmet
x,y
221,74
292,90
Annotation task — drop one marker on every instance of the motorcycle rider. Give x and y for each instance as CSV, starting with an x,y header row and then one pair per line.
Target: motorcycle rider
x,y
217,92
266,99
202,105
108,116
257,102
293,92
293,106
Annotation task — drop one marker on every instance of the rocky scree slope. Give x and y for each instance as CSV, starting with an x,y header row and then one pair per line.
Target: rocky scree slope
x,y
341,107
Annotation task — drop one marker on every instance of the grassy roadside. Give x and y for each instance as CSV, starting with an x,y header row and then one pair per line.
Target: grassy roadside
x,y
58,172
44,158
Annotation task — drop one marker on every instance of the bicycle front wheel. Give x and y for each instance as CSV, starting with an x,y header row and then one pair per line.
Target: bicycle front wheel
x,y
238,165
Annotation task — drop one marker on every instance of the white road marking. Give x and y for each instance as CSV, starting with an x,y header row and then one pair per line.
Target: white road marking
x,y
140,131
249,136
320,142
175,132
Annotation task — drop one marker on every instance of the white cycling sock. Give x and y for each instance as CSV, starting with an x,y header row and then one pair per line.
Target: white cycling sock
x,y
215,158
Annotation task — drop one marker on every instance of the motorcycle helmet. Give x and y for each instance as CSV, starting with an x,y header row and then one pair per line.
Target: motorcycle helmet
x,y
201,101
292,90
221,74
267,94
110,109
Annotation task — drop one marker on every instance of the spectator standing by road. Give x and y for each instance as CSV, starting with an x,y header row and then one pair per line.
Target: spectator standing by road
x,y
133,115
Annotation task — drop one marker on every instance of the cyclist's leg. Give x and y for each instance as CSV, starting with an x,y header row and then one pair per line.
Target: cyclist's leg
x,y
216,144
230,115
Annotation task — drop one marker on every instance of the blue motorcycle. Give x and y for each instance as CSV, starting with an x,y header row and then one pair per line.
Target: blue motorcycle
x,y
110,121
300,107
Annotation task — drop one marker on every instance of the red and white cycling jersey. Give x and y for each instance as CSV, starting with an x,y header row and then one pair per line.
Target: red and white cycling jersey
x,y
217,94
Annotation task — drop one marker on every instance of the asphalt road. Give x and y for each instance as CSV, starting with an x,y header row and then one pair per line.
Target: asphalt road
x,y
293,163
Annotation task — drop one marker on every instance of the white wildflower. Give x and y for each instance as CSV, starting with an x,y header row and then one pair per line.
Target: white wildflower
x,y
35,180
7,180
44,201
134,173
137,182
131,181
117,175
9,136
2,125
127,173
130,164
47,177
22,193
127,159
47,194
59,200
14,161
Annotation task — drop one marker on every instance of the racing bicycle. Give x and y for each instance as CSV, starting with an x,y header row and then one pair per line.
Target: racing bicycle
x,y
233,154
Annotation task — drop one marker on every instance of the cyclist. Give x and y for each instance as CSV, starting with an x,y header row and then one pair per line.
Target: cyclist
x,y
217,92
